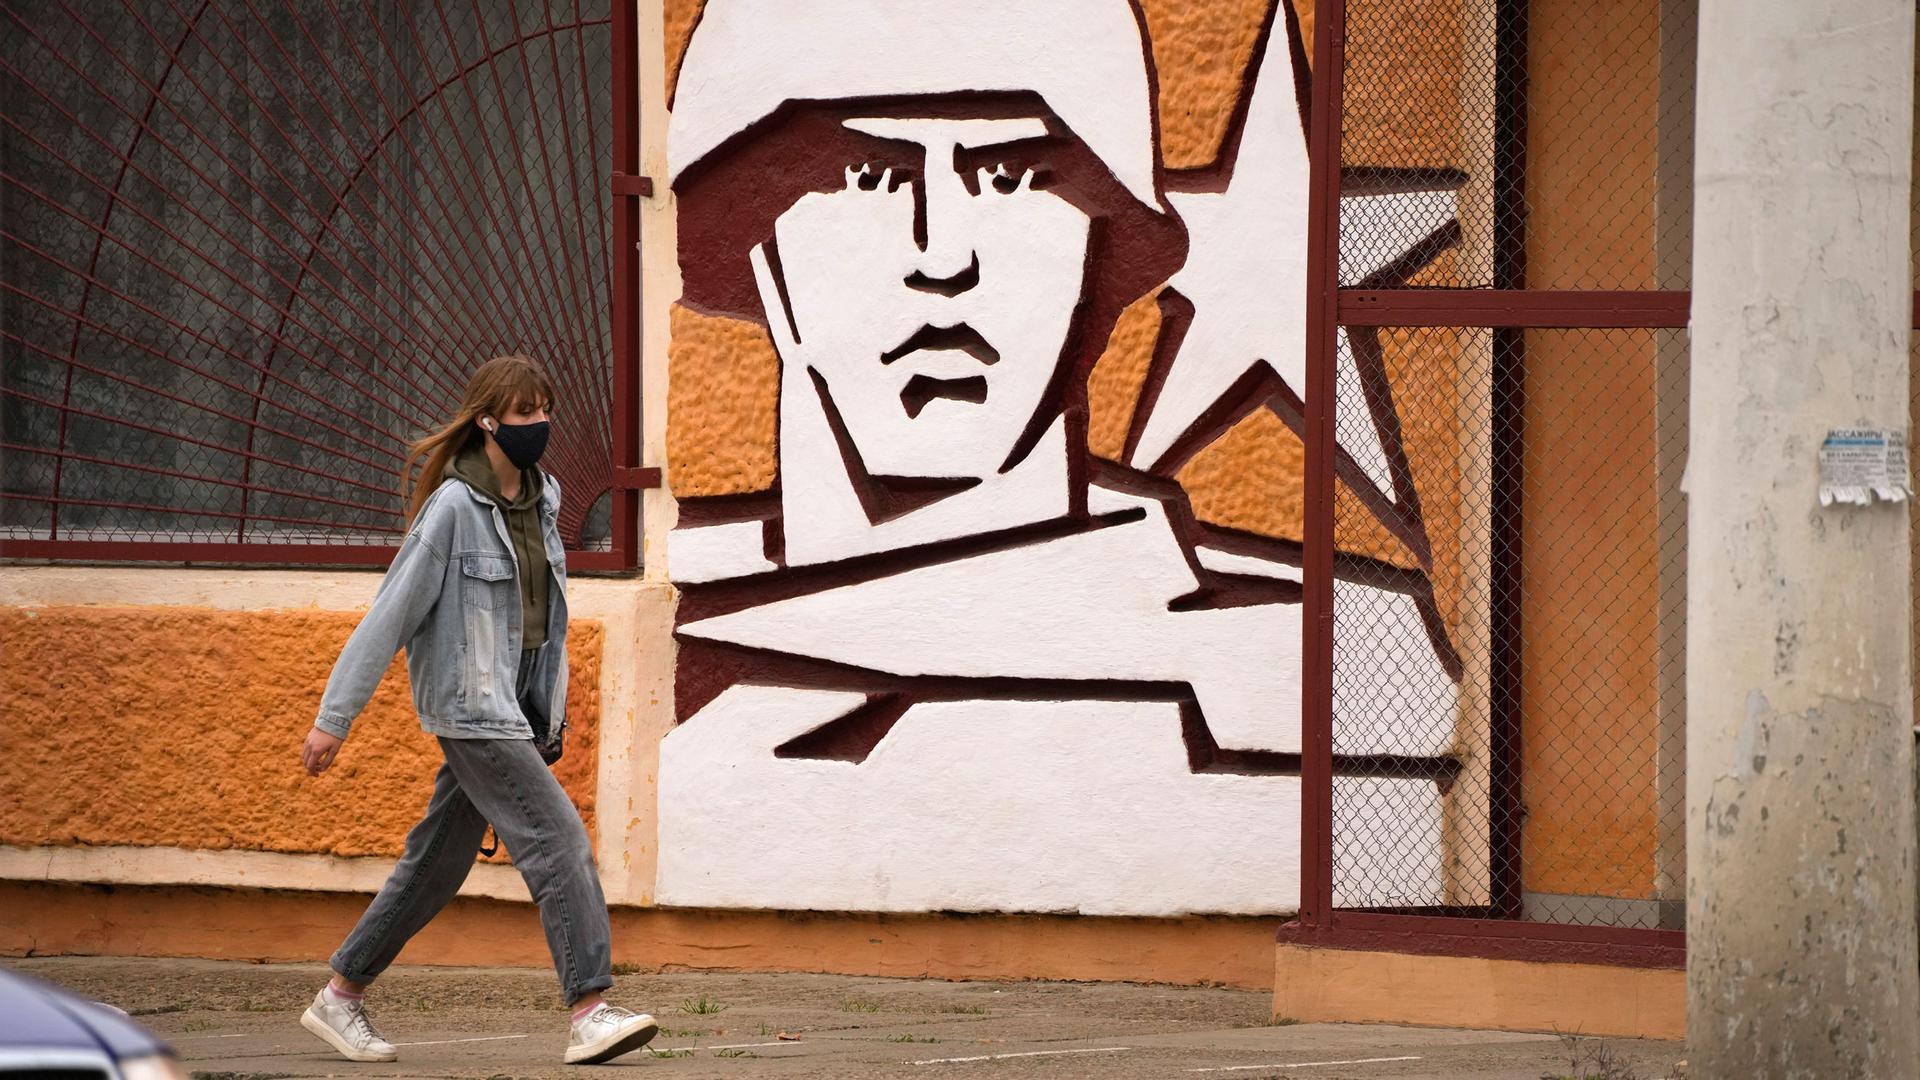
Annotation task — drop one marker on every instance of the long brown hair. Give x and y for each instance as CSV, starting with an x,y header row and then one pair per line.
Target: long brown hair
x,y
493,391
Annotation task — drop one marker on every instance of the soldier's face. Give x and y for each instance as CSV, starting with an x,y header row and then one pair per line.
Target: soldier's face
x,y
931,289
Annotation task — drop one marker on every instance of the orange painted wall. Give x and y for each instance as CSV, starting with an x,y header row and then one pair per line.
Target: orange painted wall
x,y
182,727
1355,987
1591,538
237,924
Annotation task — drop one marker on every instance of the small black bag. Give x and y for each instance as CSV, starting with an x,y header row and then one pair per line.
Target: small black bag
x,y
550,744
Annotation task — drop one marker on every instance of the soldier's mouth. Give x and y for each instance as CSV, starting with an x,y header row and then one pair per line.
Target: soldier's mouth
x,y
922,389
957,338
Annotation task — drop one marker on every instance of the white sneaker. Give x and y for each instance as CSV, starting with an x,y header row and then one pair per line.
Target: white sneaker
x,y
607,1032
345,1027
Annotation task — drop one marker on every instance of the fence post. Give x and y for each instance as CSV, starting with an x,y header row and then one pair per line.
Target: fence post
x,y
1800,841
625,284
1323,280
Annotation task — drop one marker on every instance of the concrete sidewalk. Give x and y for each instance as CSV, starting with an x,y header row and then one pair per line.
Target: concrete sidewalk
x,y
242,1020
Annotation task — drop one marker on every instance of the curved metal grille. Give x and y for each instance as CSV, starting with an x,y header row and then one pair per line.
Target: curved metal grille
x,y
249,248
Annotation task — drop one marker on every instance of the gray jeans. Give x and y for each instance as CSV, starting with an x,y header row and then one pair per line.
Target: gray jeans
x,y
503,782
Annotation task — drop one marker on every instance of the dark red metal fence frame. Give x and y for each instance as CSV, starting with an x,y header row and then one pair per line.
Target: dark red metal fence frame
x,y
628,189
1508,309
628,477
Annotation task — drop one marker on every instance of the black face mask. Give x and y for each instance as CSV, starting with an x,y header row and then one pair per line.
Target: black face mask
x,y
522,443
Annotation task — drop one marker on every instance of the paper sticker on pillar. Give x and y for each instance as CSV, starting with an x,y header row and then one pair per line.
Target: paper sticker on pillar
x,y
1859,465
953,660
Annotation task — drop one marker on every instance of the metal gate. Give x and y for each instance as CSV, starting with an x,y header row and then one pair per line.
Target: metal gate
x,y
1520,390
250,248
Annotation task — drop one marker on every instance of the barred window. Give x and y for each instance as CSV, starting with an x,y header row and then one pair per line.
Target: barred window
x,y
250,248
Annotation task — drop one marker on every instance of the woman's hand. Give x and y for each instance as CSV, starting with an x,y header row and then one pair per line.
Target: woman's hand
x,y
318,754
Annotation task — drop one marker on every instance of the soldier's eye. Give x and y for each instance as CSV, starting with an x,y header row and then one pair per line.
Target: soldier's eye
x,y
1006,179
869,176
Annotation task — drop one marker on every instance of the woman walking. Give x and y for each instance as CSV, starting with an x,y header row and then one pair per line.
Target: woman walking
x,y
478,596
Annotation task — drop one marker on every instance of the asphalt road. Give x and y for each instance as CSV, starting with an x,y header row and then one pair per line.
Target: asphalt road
x,y
234,1020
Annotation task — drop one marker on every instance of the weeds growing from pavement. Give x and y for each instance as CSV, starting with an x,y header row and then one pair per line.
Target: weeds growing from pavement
x,y
1592,1059
702,1006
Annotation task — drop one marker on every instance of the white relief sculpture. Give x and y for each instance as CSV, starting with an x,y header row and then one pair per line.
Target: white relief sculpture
x,y
1249,246
988,673
718,552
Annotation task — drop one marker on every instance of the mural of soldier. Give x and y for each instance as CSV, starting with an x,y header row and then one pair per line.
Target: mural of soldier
x,y
957,661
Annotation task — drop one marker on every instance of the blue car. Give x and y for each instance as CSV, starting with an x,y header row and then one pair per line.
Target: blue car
x,y
45,1031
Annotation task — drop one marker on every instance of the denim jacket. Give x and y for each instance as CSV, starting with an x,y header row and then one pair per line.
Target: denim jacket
x,y
452,597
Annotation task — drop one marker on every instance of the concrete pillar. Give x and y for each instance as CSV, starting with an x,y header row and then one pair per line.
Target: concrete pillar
x,y
1800,821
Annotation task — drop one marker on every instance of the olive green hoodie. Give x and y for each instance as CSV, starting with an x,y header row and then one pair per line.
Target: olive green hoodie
x,y
523,530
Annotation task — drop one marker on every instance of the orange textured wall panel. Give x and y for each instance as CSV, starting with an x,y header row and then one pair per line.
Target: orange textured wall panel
x,y
1304,9
678,17
1113,387
197,715
1200,52
1252,479
723,405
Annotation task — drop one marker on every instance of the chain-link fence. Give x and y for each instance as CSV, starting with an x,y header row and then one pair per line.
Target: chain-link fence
x,y
1568,126
1533,634
252,247
1507,393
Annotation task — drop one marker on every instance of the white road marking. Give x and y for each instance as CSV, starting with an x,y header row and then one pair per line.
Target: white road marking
x,y
1301,1064
191,1038
1026,1054
745,1046
483,1038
